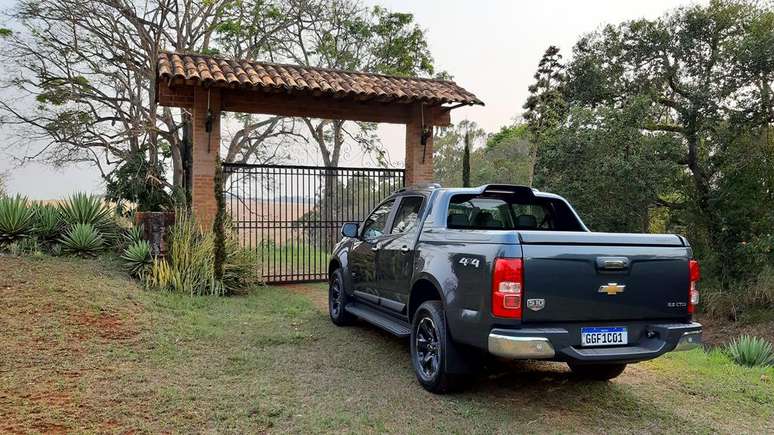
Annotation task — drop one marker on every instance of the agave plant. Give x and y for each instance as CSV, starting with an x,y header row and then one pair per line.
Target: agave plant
x,y
83,240
16,219
137,258
133,235
48,222
81,208
751,351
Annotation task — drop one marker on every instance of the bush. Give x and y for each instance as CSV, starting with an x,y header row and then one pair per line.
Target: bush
x,y
16,219
26,246
48,222
751,351
746,296
189,263
137,258
83,240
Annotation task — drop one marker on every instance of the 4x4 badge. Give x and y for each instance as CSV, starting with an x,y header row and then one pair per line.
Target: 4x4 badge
x,y
536,304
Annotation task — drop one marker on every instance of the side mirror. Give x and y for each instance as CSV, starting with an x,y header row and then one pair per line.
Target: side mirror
x,y
349,229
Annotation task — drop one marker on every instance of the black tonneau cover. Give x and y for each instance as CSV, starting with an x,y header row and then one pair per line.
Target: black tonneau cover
x,y
593,239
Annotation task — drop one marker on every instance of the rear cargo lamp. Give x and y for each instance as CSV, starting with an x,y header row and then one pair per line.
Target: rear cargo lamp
x,y
507,285
693,292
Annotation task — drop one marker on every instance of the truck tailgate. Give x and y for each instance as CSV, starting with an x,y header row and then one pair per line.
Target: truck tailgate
x,y
604,277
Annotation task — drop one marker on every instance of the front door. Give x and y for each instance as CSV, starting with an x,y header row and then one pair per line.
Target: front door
x,y
395,259
362,259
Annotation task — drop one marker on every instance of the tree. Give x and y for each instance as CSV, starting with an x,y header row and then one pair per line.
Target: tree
x,y
545,107
676,96
448,151
505,158
90,67
338,34
466,161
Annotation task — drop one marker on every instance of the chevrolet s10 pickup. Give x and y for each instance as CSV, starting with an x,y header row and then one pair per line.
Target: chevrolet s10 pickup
x,y
512,272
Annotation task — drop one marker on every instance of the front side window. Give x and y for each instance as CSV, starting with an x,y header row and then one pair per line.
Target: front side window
x,y
374,225
406,217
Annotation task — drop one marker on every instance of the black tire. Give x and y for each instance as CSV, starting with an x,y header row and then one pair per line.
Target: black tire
x,y
337,300
597,372
429,349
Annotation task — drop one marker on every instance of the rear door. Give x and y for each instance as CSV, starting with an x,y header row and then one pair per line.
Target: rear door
x,y
362,259
604,277
395,259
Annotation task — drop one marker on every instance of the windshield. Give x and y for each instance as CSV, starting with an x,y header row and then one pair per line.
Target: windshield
x,y
510,212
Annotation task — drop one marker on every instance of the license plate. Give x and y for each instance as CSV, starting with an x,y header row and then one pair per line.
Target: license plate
x,y
614,336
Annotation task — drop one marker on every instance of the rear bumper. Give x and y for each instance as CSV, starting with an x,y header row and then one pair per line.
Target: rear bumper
x,y
648,341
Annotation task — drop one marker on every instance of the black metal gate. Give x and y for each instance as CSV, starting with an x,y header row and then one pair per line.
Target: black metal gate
x,y
292,215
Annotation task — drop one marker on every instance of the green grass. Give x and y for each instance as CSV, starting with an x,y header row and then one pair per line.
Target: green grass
x,y
293,257
93,352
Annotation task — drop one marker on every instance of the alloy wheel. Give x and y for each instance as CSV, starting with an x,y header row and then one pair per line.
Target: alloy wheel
x,y
428,350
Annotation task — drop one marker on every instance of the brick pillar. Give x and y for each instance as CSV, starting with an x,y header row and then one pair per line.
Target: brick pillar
x,y
203,167
417,171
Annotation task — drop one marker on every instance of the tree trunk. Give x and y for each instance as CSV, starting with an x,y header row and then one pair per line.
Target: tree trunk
x,y
466,161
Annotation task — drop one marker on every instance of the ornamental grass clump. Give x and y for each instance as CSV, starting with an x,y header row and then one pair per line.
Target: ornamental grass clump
x,y
16,219
189,264
751,351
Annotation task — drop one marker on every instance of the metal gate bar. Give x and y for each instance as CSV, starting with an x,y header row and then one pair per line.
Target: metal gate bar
x,y
291,215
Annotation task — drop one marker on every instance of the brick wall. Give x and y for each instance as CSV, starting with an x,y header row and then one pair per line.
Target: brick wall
x,y
417,171
202,192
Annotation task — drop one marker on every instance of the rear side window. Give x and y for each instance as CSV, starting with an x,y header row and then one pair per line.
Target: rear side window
x,y
510,212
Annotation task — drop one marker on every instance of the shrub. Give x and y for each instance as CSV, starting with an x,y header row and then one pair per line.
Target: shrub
x,y
240,270
48,222
751,351
137,258
26,246
83,240
16,219
189,263
745,297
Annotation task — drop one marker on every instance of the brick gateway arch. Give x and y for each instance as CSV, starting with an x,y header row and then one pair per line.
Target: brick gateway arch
x,y
208,86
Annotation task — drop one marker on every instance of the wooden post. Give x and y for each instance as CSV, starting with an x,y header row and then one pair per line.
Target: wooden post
x,y
419,158
206,150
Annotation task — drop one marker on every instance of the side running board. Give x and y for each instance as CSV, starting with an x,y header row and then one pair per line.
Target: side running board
x,y
389,324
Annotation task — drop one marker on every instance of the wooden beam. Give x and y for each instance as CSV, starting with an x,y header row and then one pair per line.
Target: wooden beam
x,y
325,107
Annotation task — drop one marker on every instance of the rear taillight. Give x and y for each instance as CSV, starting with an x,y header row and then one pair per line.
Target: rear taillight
x,y
507,286
693,291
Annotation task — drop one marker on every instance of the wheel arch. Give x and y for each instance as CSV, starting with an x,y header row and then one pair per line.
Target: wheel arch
x,y
333,264
424,289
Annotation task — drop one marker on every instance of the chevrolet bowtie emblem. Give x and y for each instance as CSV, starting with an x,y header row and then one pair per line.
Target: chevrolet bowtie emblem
x,y
612,288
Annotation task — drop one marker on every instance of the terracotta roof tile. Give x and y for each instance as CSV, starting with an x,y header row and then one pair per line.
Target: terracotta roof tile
x,y
267,76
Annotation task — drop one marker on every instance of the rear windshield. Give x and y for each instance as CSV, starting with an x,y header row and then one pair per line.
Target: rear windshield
x,y
510,212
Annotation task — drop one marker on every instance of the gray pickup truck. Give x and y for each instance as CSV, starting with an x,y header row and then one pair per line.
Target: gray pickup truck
x,y
513,272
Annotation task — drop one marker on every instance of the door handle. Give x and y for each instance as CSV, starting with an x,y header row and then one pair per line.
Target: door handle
x,y
404,249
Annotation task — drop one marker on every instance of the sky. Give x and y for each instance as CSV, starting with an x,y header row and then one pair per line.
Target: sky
x,y
490,47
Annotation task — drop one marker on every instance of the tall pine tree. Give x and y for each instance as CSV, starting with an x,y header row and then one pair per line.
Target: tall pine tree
x,y
546,106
